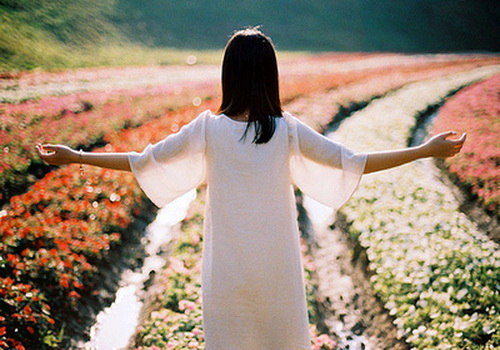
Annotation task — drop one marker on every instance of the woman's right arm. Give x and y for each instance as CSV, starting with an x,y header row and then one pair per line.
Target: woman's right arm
x,y
60,155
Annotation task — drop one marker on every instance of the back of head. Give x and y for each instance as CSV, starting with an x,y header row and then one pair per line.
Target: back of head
x,y
250,81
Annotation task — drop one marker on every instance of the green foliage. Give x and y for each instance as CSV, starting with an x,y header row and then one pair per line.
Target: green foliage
x,y
363,25
68,34
52,33
65,34
81,22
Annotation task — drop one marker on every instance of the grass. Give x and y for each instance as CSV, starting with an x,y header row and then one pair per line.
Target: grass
x,y
38,36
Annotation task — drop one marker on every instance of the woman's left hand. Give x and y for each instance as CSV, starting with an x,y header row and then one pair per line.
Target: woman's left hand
x,y
439,146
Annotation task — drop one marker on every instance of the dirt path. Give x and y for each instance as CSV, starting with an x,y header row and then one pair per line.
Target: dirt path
x,y
349,307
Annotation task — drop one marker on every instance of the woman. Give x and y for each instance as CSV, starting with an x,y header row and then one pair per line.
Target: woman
x,y
249,154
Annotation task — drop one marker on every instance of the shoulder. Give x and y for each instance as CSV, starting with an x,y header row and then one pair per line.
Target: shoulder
x,y
202,119
290,120
205,115
210,117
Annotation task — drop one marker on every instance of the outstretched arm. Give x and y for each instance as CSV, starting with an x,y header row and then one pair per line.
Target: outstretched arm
x,y
60,155
438,146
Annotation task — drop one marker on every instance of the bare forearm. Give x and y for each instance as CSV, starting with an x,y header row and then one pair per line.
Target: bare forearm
x,y
116,161
377,161
438,146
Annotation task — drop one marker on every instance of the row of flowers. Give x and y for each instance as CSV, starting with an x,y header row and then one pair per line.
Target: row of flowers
x,y
317,109
78,120
63,227
476,110
436,274
60,231
176,322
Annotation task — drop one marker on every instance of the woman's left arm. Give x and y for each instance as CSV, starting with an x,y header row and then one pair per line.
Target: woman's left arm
x,y
438,146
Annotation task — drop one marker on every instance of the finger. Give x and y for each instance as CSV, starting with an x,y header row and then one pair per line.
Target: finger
x,y
40,150
447,134
457,142
50,147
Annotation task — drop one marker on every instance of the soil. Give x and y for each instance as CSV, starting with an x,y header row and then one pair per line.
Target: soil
x,y
129,255
349,309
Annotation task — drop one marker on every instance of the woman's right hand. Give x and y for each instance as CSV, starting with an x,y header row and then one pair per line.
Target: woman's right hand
x,y
57,154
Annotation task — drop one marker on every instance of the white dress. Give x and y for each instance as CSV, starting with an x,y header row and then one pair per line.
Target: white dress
x,y
252,274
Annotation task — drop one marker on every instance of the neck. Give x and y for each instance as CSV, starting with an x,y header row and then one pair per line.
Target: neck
x,y
241,116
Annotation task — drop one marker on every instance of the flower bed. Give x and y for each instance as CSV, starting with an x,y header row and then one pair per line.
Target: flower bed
x,y
317,109
435,273
63,227
176,322
79,121
58,232
476,110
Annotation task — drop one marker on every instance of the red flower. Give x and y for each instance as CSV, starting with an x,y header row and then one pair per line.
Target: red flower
x,y
77,284
3,330
27,310
64,281
30,329
74,294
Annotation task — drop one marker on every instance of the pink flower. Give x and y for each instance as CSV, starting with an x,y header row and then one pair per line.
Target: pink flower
x,y
193,344
186,305
172,344
178,266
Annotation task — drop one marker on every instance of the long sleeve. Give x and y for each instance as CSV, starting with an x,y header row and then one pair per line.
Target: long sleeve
x,y
323,169
173,166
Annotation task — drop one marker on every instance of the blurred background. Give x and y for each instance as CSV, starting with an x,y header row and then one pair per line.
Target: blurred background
x,y
331,25
54,33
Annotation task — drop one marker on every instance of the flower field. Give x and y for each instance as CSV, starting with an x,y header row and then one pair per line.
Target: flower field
x,y
476,110
82,119
57,234
59,228
434,271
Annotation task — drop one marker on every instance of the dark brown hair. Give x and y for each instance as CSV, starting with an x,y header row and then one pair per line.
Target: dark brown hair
x,y
250,82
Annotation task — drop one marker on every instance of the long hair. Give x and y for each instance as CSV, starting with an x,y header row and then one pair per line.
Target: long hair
x,y
250,82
